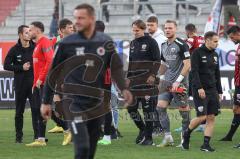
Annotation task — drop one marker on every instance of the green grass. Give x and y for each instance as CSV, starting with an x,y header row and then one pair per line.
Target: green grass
x,y
120,149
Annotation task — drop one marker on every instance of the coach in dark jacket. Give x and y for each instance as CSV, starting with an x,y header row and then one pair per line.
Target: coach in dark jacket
x,y
19,60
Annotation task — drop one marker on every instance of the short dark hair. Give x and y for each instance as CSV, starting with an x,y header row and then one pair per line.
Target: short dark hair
x,y
140,24
64,22
190,27
152,19
88,7
39,25
209,35
234,29
21,28
100,26
171,21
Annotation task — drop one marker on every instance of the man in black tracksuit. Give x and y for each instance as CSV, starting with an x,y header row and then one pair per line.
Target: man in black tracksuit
x,y
19,60
143,49
86,55
206,89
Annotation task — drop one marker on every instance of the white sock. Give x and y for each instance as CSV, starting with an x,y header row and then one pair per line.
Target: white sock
x,y
66,131
202,126
107,137
167,134
41,138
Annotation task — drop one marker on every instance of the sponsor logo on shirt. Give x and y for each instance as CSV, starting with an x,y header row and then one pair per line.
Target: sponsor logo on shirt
x,y
173,50
89,63
19,58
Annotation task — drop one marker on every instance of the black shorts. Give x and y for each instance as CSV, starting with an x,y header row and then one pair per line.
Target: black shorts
x,y
208,106
236,96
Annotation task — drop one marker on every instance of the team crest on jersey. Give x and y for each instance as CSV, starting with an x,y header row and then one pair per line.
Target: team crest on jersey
x,y
215,59
144,46
101,51
80,51
173,50
200,108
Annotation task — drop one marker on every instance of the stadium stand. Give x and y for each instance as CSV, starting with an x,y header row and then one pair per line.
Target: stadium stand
x,y
121,13
6,7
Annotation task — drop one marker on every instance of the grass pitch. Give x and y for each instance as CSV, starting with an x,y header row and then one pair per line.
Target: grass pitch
x,y
123,148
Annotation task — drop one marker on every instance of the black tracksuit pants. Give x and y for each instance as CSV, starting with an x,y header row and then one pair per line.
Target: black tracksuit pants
x,y
148,110
39,123
85,137
22,93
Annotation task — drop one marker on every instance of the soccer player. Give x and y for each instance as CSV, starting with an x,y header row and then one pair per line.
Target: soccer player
x,y
65,28
156,33
93,44
106,140
19,60
175,68
42,58
194,41
234,35
143,48
206,89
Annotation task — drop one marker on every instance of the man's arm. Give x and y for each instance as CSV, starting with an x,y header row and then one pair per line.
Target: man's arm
x,y
8,63
218,79
185,56
48,90
117,76
48,55
195,64
154,48
186,67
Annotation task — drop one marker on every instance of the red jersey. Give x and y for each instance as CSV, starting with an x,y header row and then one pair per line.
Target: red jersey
x,y
194,42
54,41
42,59
237,67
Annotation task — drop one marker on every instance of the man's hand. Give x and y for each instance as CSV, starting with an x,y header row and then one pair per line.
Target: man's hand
x,y
38,84
175,86
201,93
220,97
26,66
56,98
128,98
151,80
127,82
46,111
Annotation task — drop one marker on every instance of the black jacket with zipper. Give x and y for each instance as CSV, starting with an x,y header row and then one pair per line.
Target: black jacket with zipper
x,y
16,57
205,69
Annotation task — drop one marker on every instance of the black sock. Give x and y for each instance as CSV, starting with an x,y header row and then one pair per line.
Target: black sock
x,y
206,140
234,126
188,131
